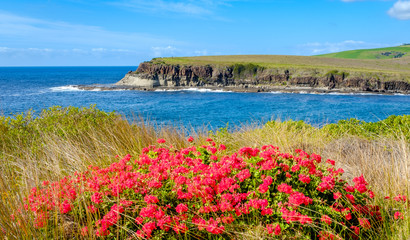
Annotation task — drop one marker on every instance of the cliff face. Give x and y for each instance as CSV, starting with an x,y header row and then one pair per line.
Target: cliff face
x,y
151,75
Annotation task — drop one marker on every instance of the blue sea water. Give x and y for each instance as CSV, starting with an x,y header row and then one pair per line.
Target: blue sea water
x,y
36,88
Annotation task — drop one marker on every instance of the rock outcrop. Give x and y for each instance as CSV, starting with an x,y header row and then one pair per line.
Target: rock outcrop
x,y
150,75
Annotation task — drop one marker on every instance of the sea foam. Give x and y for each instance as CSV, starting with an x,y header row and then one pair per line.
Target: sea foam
x,y
68,88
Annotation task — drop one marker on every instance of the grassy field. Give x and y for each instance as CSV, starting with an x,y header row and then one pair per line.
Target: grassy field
x,y
62,141
356,63
378,53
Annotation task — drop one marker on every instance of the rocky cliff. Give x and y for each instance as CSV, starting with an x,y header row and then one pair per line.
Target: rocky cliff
x,y
250,76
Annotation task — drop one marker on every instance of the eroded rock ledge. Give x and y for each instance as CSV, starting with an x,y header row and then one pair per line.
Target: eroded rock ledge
x,y
153,75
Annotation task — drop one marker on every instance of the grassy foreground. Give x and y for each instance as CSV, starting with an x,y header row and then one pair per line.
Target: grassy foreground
x,y
62,141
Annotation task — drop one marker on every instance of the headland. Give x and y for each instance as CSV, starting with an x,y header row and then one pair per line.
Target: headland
x,y
385,71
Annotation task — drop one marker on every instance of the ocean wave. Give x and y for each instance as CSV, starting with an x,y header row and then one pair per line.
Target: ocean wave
x,y
338,93
193,90
75,88
68,88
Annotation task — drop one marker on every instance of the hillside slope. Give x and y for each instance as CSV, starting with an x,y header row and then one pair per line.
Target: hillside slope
x,y
402,51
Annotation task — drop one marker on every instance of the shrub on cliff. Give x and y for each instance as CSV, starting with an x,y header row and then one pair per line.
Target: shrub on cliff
x,y
245,70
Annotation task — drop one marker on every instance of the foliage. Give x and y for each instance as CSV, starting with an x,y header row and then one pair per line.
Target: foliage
x,y
200,193
26,129
245,70
395,126
342,74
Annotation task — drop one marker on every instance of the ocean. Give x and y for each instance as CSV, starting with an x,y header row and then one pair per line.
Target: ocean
x,y
36,88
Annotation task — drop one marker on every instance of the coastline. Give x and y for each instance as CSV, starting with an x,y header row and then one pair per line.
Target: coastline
x,y
236,89
161,75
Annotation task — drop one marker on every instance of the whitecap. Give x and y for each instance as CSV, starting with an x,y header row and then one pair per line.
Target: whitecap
x,y
68,88
193,90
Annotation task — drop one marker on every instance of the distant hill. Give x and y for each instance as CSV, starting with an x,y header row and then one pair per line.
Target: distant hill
x,y
402,51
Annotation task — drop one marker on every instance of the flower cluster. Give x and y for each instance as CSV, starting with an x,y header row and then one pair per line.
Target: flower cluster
x,y
200,189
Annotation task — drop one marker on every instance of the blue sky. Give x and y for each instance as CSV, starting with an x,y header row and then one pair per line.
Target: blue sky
x,y
127,32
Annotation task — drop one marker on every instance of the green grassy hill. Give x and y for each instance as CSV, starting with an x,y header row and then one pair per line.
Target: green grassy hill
x,y
402,51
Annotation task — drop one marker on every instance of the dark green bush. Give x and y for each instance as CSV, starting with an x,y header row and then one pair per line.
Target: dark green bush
x,y
245,70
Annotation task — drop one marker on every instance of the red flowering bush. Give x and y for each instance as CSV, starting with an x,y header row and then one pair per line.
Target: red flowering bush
x,y
200,191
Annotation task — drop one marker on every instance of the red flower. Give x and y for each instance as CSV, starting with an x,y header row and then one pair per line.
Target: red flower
x,y
337,195
277,230
349,188
84,231
92,209
181,208
295,168
398,215
364,223
400,198
180,228
150,199
297,199
350,197
190,139
212,227
248,152
328,183
304,178
360,180
148,228
160,140
270,229
139,220
244,174
285,188
326,219
263,188
65,207
97,198
267,211
355,229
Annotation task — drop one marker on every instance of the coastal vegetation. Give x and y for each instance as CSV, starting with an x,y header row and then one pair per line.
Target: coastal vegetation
x,y
84,173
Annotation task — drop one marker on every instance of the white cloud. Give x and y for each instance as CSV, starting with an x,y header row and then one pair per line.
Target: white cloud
x,y
26,31
400,10
200,52
164,51
188,7
316,48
